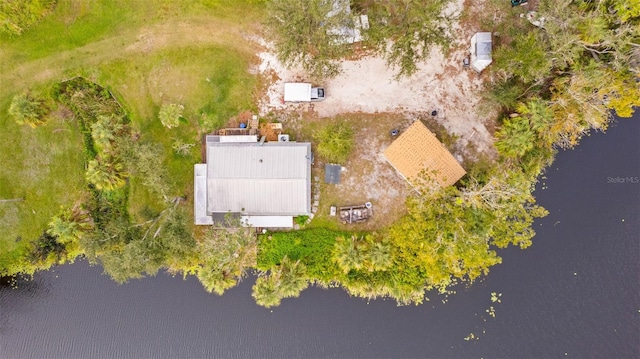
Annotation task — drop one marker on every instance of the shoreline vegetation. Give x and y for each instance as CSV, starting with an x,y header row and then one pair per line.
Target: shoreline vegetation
x,y
103,146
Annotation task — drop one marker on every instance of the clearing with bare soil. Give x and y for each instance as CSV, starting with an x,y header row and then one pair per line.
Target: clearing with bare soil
x,y
368,86
366,176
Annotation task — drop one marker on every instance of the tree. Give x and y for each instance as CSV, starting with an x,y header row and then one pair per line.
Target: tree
x,y
225,255
624,9
132,251
286,280
128,262
448,234
582,101
413,27
379,256
105,130
504,93
335,142
515,137
604,31
348,254
179,247
265,292
28,110
105,174
525,57
146,161
170,115
308,33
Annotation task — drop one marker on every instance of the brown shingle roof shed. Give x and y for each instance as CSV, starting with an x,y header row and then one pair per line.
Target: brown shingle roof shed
x,y
418,151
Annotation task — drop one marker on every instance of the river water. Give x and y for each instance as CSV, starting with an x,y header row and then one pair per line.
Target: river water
x,y
574,294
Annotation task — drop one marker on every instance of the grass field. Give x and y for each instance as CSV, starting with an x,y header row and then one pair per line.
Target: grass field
x,y
147,52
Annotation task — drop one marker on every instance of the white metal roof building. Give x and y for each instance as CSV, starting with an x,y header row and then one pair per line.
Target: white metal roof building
x,y
270,180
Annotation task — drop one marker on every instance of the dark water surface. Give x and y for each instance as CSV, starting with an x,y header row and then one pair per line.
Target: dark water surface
x,y
575,293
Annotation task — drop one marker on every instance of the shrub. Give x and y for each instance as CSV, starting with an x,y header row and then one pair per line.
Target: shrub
x,y
335,142
313,247
170,115
181,148
28,110
301,220
18,15
105,175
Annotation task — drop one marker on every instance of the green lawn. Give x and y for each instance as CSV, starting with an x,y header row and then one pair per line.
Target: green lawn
x,y
43,166
147,52
217,87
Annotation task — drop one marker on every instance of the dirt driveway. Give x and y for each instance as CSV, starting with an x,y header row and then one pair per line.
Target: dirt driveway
x,y
368,85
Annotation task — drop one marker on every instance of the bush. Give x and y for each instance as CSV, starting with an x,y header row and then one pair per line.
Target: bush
x,y
181,148
170,115
28,110
301,220
335,142
313,247
18,15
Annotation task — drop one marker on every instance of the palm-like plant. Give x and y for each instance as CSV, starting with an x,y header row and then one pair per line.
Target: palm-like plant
x,y
27,110
292,277
285,281
379,256
64,229
105,175
215,280
104,131
540,117
347,254
170,115
266,292
515,138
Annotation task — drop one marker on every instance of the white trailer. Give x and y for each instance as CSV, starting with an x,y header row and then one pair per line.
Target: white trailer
x,y
302,92
480,51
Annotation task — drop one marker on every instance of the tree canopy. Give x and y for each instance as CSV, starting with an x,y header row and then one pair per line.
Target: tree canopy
x,y
307,33
580,63
314,33
414,29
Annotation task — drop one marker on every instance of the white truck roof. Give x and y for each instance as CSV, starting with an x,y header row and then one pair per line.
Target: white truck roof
x,y
297,92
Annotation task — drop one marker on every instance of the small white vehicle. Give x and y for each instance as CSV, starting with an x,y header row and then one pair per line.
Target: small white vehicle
x,y
302,92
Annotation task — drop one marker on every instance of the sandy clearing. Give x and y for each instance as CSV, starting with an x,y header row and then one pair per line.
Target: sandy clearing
x,y
368,85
